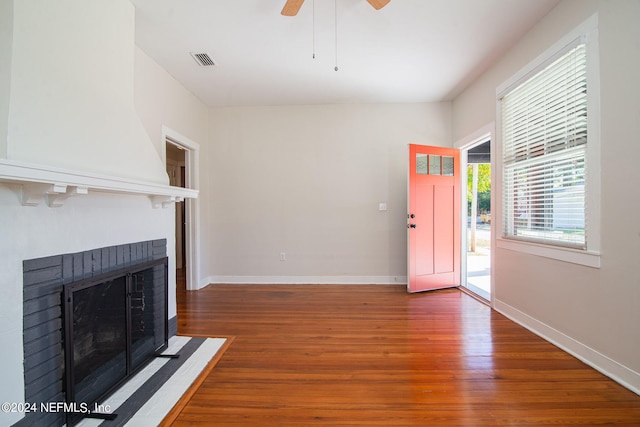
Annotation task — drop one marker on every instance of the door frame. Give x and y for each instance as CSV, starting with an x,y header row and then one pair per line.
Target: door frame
x,y
480,136
191,236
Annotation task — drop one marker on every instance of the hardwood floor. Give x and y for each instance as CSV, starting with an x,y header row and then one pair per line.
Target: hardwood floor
x,y
377,356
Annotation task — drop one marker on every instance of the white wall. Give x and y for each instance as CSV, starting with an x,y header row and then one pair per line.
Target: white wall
x,y
163,102
594,312
307,181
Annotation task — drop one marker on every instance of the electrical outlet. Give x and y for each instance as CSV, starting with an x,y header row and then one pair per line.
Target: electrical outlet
x,y
283,256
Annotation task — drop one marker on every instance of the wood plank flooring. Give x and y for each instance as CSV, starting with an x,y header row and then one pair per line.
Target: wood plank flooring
x,y
344,355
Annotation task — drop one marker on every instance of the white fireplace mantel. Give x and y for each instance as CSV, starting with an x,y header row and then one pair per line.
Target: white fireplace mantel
x,y
55,185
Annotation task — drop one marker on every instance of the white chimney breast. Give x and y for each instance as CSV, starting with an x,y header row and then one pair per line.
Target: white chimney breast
x,y
71,96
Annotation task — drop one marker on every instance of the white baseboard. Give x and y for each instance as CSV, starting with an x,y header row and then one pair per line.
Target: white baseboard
x,y
609,367
307,280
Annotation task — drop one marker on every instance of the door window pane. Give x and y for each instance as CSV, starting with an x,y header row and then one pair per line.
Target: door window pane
x,y
447,165
434,165
421,164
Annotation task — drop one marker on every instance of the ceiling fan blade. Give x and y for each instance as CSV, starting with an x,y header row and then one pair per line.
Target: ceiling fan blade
x,y
292,7
378,4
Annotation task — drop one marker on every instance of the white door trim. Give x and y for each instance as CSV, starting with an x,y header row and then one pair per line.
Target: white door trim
x,y
192,211
486,132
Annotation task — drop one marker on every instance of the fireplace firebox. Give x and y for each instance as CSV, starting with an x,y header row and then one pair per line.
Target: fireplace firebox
x,y
113,324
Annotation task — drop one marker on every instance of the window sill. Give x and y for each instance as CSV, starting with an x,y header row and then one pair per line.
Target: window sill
x,y
574,256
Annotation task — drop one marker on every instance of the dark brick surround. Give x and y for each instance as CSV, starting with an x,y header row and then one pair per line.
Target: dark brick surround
x,y
44,279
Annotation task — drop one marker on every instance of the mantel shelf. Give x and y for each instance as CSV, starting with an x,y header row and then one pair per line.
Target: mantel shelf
x,y
40,182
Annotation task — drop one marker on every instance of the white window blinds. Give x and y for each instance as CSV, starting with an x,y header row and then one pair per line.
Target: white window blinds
x,y
544,126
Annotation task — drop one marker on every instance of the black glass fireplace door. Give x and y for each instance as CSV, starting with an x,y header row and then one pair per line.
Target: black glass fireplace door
x,y
99,339
114,324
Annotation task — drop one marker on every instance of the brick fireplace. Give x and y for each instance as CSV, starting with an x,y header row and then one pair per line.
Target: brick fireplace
x,y
45,282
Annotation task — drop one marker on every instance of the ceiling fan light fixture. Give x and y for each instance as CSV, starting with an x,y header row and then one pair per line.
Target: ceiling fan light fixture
x,y
291,7
378,4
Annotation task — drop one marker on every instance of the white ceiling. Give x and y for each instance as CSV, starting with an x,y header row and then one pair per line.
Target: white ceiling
x,y
409,51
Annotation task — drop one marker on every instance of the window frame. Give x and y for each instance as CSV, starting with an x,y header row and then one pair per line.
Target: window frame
x,y
586,33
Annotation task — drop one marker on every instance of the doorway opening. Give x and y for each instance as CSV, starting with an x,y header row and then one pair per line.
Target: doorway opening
x,y
182,160
477,272
176,164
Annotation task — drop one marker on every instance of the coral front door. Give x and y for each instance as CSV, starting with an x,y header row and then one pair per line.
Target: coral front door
x,y
433,221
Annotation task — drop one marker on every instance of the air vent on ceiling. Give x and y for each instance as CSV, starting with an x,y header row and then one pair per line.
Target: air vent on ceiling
x,y
203,59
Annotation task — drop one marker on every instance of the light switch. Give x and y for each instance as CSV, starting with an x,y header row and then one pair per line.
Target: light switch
x,y
382,207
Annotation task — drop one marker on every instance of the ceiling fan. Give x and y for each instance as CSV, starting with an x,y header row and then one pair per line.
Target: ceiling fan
x,y
292,7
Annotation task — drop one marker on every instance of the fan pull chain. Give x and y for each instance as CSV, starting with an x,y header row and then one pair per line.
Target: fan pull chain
x,y
336,36
314,28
